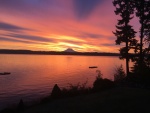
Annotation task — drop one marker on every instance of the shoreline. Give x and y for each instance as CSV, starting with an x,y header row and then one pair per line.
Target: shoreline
x,y
7,51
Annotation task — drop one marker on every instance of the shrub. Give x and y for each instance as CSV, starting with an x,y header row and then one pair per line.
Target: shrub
x,y
119,74
56,92
75,90
102,84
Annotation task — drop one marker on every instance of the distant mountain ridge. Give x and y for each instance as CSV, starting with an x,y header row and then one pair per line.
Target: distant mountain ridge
x,y
66,52
69,50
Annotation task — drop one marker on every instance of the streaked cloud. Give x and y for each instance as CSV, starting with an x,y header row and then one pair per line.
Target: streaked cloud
x,y
30,37
84,25
83,8
13,40
10,27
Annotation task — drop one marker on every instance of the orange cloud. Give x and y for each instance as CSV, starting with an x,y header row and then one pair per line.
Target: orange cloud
x,y
57,25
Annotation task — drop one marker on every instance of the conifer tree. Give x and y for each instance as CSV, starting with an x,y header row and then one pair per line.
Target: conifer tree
x,y
124,32
143,13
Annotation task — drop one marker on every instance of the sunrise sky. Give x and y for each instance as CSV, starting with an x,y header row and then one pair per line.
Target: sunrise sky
x,y
55,25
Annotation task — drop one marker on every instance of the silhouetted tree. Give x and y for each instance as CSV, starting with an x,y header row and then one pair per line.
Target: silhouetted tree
x,y
119,74
21,105
147,25
102,84
56,92
124,31
143,13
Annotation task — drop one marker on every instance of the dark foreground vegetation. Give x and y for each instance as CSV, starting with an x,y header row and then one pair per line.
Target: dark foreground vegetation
x,y
116,100
124,94
128,93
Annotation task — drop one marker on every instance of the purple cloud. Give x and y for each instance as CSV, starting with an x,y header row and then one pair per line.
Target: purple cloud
x,y
30,37
10,27
83,8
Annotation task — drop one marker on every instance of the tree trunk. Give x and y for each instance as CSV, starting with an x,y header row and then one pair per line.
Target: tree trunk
x,y
127,58
127,41
141,38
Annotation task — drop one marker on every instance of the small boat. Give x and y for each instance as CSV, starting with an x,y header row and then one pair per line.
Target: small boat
x,y
93,67
5,73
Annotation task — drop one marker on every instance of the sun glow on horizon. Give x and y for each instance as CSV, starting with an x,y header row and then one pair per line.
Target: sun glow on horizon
x,y
56,26
63,37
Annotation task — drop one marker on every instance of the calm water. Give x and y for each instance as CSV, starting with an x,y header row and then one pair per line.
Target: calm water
x,y
33,76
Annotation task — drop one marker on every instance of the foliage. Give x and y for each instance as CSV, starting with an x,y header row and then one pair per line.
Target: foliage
x,y
75,90
99,74
142,10
143,13
124,31
102,84
119,74
56,91
145,67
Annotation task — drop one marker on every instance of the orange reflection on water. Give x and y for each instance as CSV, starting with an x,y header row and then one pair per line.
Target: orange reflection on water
x,y
33,76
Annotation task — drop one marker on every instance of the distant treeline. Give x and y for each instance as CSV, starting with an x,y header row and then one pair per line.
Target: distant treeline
x,y
9,51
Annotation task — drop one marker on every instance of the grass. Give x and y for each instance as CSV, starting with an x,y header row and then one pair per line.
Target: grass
x,y
116,100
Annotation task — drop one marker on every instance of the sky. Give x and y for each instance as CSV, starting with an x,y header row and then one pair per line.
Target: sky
x,y
55,25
